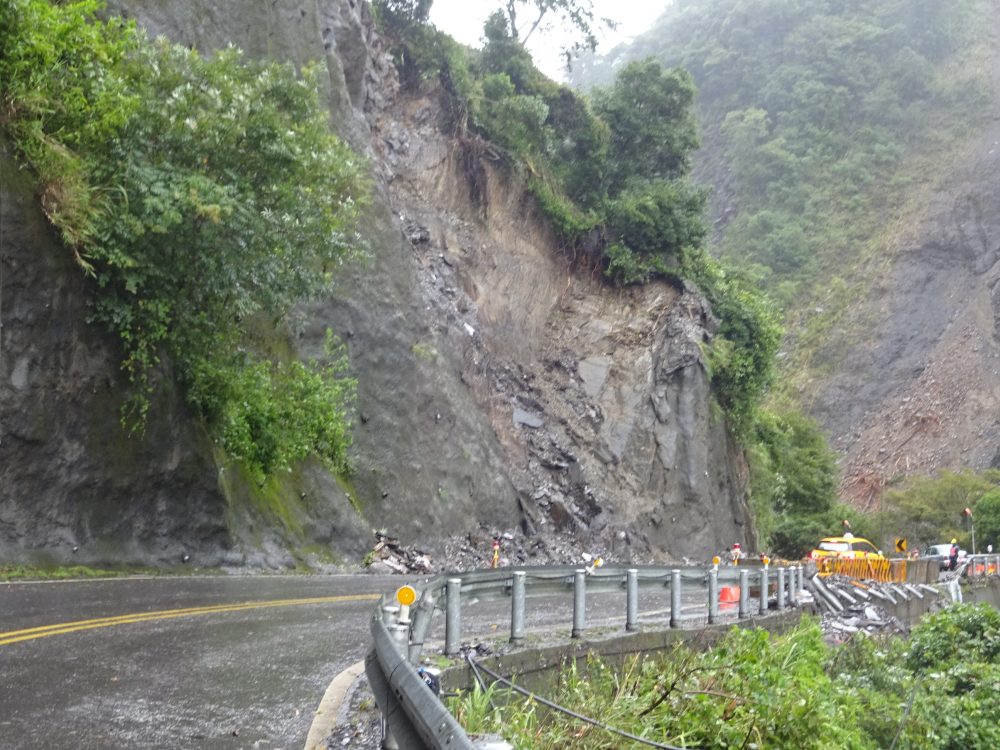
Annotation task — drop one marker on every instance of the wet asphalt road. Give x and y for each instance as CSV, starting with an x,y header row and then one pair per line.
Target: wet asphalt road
x,y
235,677
243,678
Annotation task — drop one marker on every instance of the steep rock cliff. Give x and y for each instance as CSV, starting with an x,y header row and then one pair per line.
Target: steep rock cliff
x,y
499,386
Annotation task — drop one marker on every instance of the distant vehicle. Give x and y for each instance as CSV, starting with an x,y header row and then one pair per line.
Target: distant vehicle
x,y
850,547
940,553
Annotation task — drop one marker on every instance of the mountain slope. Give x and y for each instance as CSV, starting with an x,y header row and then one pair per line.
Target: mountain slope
x,y
851,149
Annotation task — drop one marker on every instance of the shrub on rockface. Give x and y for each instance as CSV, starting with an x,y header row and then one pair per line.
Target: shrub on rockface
x,y
202,193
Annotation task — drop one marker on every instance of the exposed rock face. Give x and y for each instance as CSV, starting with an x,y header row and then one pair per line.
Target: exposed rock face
x,y
69,475
498,386
599,395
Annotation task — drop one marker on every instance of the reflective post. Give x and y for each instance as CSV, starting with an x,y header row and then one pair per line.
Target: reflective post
x,y
517,607
675,598
713,596
631,599
763,590
781,588
579,603
453,617
744,593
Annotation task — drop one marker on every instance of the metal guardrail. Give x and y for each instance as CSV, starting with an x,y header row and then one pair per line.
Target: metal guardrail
x,y
980,566
414,717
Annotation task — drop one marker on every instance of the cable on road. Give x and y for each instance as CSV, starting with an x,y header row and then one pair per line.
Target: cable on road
x,y
562,709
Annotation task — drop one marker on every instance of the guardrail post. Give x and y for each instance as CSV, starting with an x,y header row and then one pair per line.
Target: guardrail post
x,y
792,586
631,599
744,593
390,615
423,613
675,598
517,607
802,581
579,603
453,617
781,588
713,596
401,637
763,590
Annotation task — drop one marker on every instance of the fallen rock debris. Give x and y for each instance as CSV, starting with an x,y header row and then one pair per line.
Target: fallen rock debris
x,y
851,607
389,556
473,551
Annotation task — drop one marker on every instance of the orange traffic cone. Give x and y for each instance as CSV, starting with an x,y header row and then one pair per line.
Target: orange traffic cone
x,y
729,593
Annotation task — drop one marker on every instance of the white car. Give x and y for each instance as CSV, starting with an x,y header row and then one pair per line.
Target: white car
x,y
941,553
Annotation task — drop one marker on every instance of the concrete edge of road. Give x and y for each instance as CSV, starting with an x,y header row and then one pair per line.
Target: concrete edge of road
x,y
326,715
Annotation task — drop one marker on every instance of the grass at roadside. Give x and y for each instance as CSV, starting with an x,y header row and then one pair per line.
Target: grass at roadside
x,y
68,572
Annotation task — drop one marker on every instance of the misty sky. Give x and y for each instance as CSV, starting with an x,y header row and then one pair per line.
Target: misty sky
x,y
463,19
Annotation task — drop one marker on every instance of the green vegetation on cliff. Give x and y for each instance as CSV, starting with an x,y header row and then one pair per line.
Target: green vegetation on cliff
x,y
205,195
753,689
609,172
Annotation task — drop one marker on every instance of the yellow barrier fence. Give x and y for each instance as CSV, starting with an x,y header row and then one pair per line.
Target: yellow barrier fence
x,y
870,569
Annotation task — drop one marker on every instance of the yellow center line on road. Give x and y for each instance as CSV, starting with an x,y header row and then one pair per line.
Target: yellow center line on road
x,y
15,636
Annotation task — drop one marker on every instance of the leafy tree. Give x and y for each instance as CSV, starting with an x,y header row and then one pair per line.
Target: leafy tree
x,y
418,48
504,53
395,14
798,454
653,130
929,509
517,120
577,14
986,514
658,220
579,148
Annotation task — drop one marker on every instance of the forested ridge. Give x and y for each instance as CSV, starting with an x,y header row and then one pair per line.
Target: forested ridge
x,y
821,119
